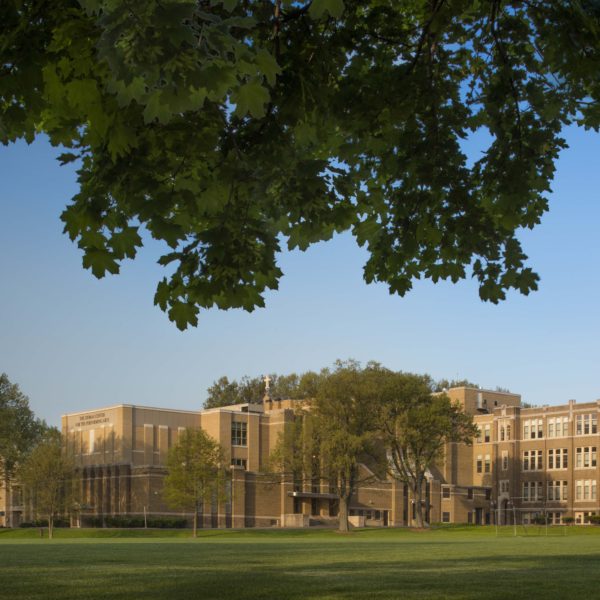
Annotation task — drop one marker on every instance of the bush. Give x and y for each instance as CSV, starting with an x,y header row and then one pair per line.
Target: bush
x,y
594,519
44,523
568,520
136,522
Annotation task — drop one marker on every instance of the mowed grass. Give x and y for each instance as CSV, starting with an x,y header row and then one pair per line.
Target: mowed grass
x,y
280,564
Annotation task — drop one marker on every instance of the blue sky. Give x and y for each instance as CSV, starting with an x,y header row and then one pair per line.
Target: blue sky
x,y
74,343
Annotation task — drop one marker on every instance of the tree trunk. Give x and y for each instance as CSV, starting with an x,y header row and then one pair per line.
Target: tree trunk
x,y
343,515
417,495
195,525
50,526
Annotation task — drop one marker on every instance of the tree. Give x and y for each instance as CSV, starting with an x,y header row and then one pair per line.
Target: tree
x,y
47,476
226,128
444,384
343,432
252,389
19,430
416,426
196,473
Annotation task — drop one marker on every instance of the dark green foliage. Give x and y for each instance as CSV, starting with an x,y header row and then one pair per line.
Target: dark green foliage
x,y
19,429
252,389
226,129
136,522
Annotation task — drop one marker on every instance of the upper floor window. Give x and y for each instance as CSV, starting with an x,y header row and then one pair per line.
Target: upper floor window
x,y
486,433
585,457
586,424
239,435
533,428
533,460
504,460
558,458
445,492
558,427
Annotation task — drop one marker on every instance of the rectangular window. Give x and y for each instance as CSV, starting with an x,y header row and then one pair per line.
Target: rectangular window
x,y
508,432
445,492
526,430
526,460
479,463
578,490
488,463
565,431
239,435
540,460
504,460
525,491
445,517
238,462
579,425
470,493
551,459
551,428
502,433
486,433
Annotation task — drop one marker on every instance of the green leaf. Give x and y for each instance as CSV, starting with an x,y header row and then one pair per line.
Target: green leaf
x,y
124,243
268,65
156,109
318,8
183,314
100,261
251,98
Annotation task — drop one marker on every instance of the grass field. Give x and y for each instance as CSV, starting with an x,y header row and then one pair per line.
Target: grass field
x,y
282,564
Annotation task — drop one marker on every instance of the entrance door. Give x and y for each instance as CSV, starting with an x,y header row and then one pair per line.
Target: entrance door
x,y
479,516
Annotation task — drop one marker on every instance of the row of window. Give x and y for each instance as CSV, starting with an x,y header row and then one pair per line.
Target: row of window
x,y
534,428
532,491
558,458
446,493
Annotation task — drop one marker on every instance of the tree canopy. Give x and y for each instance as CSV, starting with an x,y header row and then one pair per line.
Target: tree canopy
x,y
231,129
252,389
19,429
196,477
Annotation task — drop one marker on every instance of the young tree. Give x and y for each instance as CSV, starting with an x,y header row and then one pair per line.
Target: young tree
x,y
225,129
416,425
343,431
197,473
47,476
19,430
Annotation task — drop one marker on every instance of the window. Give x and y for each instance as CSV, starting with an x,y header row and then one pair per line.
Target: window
x,y
505,460
488,464
238,462
445,517
533,460
504,486
502,433
470,493
508,432
445,492
533,491
533,428
585,457
488,494
586,424
486,433
239,435
557,490
479,463
479,436
557,458
558,427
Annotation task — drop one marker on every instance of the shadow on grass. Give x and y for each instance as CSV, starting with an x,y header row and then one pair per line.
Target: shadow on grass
x,y
466,568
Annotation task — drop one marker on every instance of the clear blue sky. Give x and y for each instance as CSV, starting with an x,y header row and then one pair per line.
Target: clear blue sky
x,y
74,343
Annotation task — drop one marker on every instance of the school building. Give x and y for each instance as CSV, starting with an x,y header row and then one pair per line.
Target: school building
x,y
525,462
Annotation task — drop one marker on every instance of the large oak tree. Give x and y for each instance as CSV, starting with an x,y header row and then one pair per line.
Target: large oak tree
x,y
230,128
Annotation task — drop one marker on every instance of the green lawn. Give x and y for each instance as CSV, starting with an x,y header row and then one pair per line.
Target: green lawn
x,y
280,564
